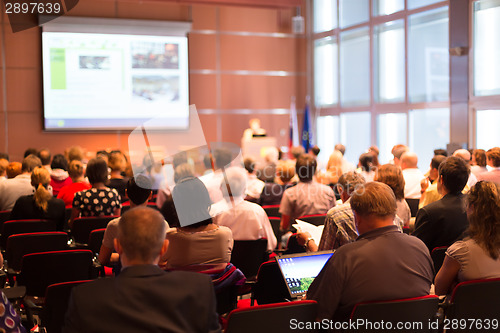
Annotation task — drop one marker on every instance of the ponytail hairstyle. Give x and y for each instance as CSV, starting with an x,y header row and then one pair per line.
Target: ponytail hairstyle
x,y
40,179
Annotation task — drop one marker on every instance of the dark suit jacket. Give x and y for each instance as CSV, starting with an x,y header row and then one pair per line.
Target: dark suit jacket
x,y
442,222
144,299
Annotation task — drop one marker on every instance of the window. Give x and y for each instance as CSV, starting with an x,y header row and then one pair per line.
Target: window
x,y
354,12
389,61
355,129
429,130
487,48
420,3
328,136
386,7
325,71
325,15
487,134
355,67
428,56
391,130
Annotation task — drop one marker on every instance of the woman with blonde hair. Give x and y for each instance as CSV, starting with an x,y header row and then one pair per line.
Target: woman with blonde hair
x,y
76,172
333,169
41,204
478,255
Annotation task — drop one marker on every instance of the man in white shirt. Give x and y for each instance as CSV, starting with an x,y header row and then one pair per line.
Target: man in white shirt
x,y
412,175
12,189
247,220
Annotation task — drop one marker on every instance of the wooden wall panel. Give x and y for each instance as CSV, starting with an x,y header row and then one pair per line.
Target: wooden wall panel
x,y
202,51
152,11
254,19
24,92
246,53
204,17
209,125
94,8
257,92
202,91
20,53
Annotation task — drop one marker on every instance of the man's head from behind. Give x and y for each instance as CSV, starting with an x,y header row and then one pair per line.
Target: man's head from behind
x,y
435,163
493,157
305,167
374,206
348,183
237,181
30,162
141,236
453,175
139,189
409,160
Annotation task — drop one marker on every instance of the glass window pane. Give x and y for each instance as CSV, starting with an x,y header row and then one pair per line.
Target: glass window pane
x,y
355,129
355,67
428,58
391,130
389,58
354,12
328,136
325,15
386,7
420,3
429,130
325,71
487,134
487,48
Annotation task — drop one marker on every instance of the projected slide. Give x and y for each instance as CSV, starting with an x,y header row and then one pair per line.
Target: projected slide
x,y
114,81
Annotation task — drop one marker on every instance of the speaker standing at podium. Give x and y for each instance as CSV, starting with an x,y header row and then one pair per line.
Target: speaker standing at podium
x,y
254,131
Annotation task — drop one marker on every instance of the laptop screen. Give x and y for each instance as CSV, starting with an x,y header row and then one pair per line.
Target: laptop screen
x,y
299,270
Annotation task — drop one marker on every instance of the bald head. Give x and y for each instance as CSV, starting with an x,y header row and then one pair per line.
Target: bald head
x,y
463,154
141,235
409,160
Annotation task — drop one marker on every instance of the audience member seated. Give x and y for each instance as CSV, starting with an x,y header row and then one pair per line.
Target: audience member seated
x,y
168,182
222,159
412,175
428,185
13,188
477,256
10,320
376,266
139,192
198,244
74,153
346,165
67,193
4,164
59,175
493,157
247,220
117,164
254,185
366,166
99,200
307,197
398,151
465,155
478,163
143,298
442,222
333,170
273,192
46,158
14,169
339,227
41,204
392,175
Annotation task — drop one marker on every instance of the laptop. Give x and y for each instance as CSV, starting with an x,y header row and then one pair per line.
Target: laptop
x,y
300,269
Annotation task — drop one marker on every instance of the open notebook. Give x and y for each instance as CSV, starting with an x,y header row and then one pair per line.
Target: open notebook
x,y
300,269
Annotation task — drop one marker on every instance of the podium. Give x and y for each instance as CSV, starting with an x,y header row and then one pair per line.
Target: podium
x,y
258,147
